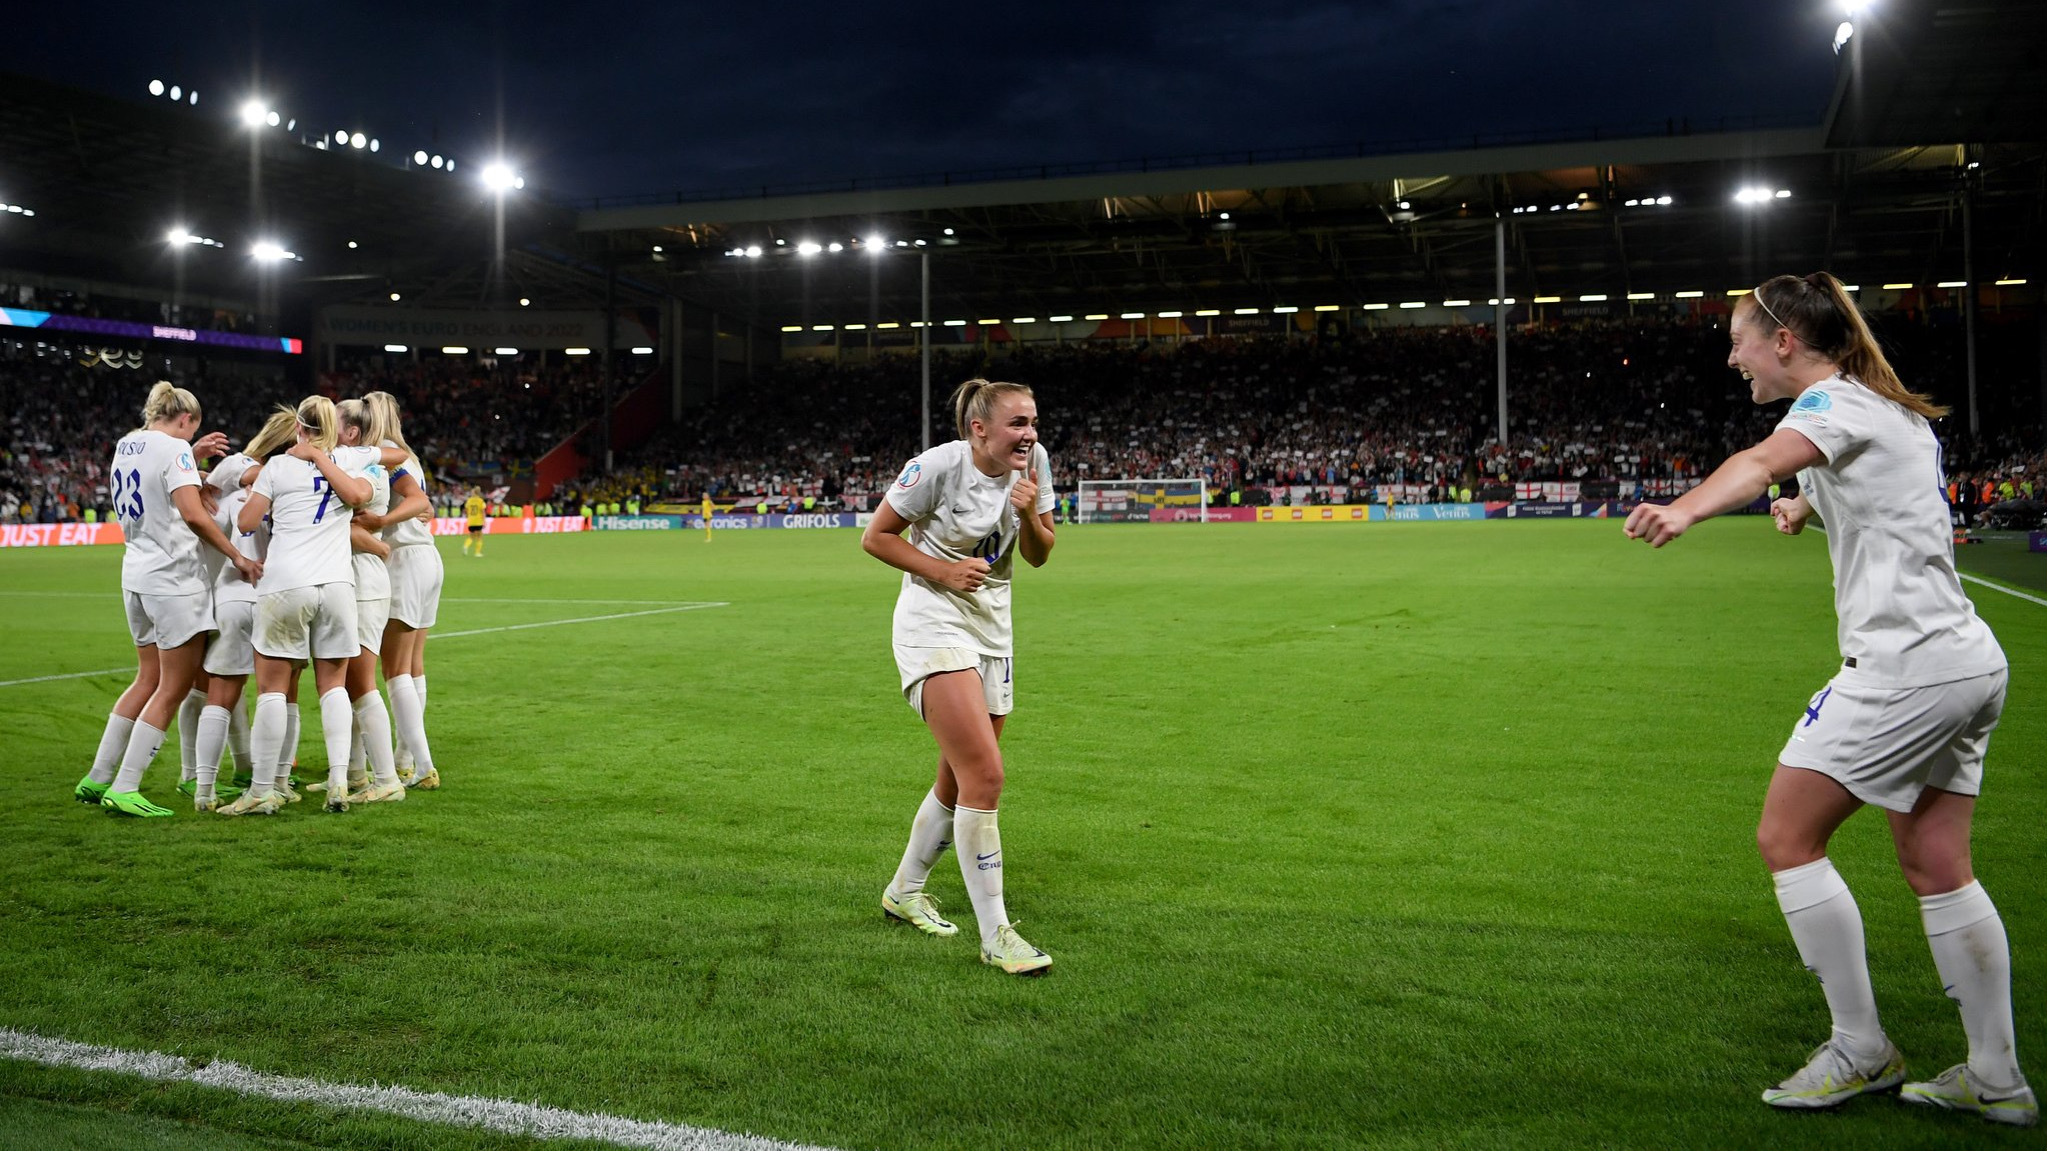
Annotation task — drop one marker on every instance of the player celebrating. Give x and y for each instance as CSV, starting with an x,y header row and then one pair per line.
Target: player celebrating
x,y
416,574
305,608
155,486
373,609
1904,724
970,506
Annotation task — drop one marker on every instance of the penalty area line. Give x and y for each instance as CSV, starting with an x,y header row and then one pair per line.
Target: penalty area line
x,y
500,1115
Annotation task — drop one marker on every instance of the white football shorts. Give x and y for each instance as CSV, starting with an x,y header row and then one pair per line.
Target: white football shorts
x,y
233,651
415,584
1886,745
168,620
308,623
370,617
918,664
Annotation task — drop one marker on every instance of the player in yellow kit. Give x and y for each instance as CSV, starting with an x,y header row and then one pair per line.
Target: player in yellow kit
x,y
710,509
474,508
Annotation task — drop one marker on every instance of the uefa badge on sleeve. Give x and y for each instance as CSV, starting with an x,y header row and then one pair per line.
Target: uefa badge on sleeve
x,y
910,476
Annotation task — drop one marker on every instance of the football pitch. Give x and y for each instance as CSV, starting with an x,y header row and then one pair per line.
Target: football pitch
x,y
1392,835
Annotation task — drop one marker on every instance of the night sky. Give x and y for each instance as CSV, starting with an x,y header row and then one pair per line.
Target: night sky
x,y
634,96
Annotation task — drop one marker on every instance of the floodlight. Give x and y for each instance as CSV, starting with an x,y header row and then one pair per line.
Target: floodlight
x,y
1594,298
437,161
419,158
176,93
1404,205
506,351
373,144
1842,35
948,231
273,119
451,163
519,182
454,351
524,302
156,87
351,244
1663,201
808,248
753,251
270,251
497,177
1223,216
875,244
394,297
835,246
395,348
1459,303
1857,7
1246,311
181,236
643,351
357,140
192,97
586,351
1414,304
1060,319
253,113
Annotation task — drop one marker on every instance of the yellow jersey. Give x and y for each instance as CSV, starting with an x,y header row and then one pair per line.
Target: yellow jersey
x,y
474,506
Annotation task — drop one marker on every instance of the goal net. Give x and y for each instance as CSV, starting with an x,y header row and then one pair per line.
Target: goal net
x,y
1137,500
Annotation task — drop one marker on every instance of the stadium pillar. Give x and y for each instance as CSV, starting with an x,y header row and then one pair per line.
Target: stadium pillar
x,y
1969,292
674,321
610,338
1500,316
924,275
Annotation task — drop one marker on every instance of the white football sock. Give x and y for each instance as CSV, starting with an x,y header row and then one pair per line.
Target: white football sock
x,y
1974,957
212,737
374,724
980,852
289,750
930,835
1827,927
142,745
400,687
355,749
238,735
188,734
406,708
113,741
266,741
419,689
337,724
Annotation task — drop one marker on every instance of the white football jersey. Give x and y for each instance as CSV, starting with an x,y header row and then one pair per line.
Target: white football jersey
x,y
228,585
372,578
162,553
308,522
413,531
1904,620
957,513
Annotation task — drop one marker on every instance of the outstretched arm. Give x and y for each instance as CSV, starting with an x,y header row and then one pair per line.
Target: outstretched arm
x,y
1736,483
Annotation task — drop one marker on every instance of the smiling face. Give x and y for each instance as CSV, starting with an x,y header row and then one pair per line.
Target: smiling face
x,y
1008,435
1760,351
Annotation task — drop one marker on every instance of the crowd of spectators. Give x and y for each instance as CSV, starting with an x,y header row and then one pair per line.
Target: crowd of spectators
x,y
1636,401
1630,401
107,307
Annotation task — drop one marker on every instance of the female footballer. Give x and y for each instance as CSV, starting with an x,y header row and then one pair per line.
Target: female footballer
x,y
1905,722
155,489
969,506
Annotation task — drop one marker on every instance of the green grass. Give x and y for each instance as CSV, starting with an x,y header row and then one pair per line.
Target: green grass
x,y
1402,835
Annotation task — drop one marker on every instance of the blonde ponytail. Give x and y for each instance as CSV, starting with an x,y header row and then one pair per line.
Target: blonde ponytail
x,y
323,427
168,401
381,408
975,400
277,434
1817,310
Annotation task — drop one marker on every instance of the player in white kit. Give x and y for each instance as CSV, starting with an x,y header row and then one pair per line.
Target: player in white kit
x,y
305,608
154,481
372,613
1904,724
970,506
416,573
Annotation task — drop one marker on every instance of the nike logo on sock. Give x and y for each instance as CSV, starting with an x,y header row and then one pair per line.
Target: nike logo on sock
x,y
990,855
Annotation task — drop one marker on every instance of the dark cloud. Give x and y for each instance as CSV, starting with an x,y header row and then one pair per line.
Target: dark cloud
x,y
639,95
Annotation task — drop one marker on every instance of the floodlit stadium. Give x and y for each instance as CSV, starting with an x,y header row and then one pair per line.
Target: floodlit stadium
x,y
1367,784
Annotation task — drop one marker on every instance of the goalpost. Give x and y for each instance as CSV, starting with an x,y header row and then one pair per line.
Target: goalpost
x,y
1134,499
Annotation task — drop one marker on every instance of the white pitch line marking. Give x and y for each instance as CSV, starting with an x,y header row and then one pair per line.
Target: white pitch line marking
x,y
580,619
2002,588
438,635
500,1115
